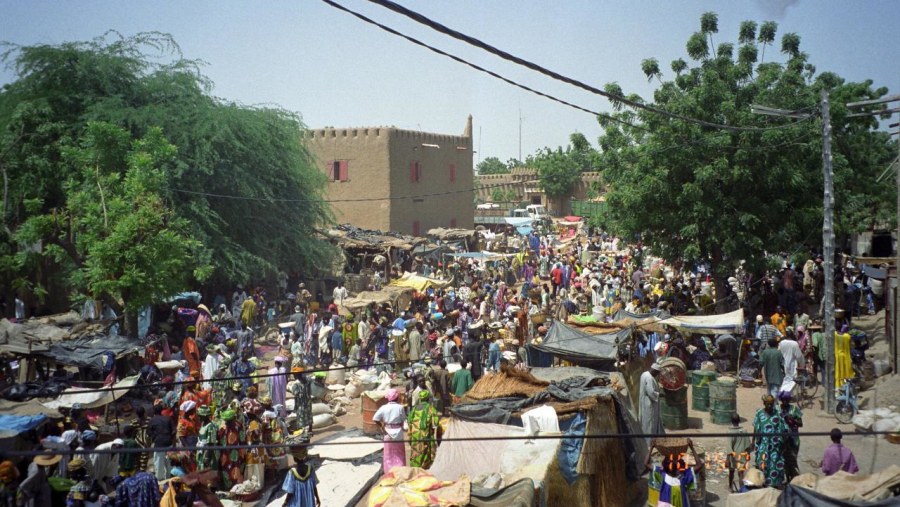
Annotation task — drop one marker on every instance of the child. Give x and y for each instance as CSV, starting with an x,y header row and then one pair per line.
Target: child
x,y
300,483
738,453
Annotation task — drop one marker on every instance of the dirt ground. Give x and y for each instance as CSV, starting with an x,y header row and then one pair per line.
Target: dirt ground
x,y
872,453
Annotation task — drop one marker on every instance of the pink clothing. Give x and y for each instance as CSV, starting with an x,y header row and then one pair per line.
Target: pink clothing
x,y
394,454
836,458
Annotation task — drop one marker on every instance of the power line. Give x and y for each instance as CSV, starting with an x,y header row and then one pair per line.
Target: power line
x,y
475,66
419,18
289,445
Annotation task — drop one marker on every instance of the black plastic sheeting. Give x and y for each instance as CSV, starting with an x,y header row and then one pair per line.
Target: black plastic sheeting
x,y
517,494
89,351
796,496
598,351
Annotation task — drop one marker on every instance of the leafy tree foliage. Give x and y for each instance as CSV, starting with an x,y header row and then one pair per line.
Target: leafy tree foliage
x,y
491,165
719,196
241,176
560,170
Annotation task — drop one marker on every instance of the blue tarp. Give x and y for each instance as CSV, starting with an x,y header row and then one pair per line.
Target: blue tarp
x,y
570,449
13,425
524,230
517,221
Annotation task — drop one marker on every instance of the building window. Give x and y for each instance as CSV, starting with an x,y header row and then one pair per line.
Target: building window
x,y
452,223
416,228
452,173
415,172
338,170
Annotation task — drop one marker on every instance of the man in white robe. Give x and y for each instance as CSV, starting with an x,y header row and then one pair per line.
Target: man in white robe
x,y
651,421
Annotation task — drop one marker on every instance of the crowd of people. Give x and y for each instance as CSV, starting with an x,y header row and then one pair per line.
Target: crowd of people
x,y
476,322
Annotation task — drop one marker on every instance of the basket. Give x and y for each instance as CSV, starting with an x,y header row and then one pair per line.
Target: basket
x,y
893,438
539,318
674,446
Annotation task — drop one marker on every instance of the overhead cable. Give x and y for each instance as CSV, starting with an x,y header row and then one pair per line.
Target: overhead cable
x,y
419,18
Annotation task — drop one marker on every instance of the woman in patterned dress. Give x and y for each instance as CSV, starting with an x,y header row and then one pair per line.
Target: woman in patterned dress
x,y
769,449
230,462
424,425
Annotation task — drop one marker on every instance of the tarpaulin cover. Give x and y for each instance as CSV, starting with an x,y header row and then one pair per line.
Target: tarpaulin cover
x,y
12,425
764,497
622,314
517,494
512,459
852,487
580,348
92,398
796,496
88,351
524,230
412,486
418,282
538,358
484,255
873,272
726,323
517,221
570,450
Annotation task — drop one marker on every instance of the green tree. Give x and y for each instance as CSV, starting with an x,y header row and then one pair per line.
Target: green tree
x,y
718,196
241,176
116,235
557,171
491,165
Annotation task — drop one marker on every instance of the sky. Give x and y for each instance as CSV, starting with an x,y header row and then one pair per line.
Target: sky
x,y
337,71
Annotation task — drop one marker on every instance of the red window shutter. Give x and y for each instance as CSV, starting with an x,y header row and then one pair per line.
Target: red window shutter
x,y
452,173
331,175
412,172
418,171
416,228
343,171
452,223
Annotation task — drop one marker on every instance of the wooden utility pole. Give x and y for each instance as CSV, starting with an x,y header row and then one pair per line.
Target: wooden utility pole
x,y
828,253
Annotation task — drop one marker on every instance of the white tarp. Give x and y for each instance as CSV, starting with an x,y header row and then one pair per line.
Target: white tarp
x,y
512,459
726,323
92,398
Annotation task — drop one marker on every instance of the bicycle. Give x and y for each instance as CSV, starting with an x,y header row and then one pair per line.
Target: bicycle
x,y
807,386
847,401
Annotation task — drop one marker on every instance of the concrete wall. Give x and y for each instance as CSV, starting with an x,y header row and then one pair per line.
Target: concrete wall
x,y
366,152
435,154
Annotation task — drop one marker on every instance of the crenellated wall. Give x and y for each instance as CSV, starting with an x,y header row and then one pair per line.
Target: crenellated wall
x,y
378,166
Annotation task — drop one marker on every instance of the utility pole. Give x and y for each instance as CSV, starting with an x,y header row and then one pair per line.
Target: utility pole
x,y
827,235
520,135
894,343
828,253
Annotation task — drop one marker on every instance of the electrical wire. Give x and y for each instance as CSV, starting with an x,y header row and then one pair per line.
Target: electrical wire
x,y
419,18
289,445
477,67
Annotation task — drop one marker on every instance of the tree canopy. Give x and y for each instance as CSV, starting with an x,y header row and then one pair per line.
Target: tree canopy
x,y
238,186
721,196
491,165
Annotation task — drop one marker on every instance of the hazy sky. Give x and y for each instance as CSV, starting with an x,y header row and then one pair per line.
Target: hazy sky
x,y
337,71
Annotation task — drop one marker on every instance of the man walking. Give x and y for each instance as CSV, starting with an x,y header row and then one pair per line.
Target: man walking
x,y
651,422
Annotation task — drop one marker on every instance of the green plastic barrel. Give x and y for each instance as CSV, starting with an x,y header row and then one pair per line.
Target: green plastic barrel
x,y
673,409
723,400
700,389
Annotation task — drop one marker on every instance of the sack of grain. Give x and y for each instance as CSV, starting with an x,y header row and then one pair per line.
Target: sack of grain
x,y
323,420
320,408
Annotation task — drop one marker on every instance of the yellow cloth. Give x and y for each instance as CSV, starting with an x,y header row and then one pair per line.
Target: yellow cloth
x,y
842,363
779,321
248,311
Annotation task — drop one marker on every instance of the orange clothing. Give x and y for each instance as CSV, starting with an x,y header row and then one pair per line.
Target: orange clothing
x,y
192,354
780,322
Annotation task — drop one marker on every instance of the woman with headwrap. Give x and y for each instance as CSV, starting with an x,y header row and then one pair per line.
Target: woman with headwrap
x,y
188,425
424,429
231,433
390,419
770,448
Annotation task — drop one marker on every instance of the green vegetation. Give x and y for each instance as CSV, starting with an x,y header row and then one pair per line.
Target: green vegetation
x,y
120,167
